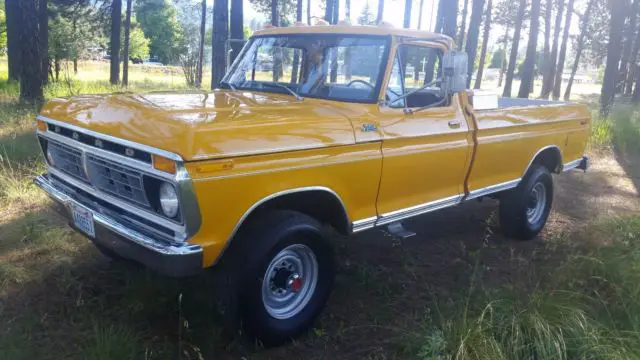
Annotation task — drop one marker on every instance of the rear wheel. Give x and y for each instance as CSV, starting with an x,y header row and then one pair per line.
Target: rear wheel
x,y
286,274
524,210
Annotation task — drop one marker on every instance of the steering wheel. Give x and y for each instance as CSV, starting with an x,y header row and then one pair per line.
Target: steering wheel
x,y
361,82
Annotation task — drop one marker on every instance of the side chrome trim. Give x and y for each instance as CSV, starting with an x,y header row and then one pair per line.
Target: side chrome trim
x,y
538,153
274,196
117,228
364,224
418,210
492,189
119,203
124,142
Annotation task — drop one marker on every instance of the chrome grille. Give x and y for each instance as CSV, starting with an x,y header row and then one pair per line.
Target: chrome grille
x,y
117,180
67,159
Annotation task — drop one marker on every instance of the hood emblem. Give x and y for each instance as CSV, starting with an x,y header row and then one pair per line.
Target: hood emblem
x,y
99,143
129,152
75,135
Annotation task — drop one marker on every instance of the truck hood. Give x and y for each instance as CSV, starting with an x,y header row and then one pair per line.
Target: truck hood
x,y
200,126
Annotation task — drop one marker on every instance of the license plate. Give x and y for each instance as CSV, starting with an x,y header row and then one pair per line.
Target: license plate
x,y
83,220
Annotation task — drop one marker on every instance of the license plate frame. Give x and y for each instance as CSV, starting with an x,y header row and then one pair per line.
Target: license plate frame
x,y
83,220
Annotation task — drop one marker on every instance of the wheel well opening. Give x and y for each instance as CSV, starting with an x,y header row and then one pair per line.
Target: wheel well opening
x,y
550,158
320,205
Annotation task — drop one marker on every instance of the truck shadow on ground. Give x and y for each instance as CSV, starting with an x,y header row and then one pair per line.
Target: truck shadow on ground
x,y
385,287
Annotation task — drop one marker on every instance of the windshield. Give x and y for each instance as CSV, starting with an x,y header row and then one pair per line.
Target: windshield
x,y
328,66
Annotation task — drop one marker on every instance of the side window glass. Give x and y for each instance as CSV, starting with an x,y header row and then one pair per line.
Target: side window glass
x,y
420,69
395,88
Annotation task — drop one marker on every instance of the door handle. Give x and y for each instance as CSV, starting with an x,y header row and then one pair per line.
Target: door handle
x,y
454,124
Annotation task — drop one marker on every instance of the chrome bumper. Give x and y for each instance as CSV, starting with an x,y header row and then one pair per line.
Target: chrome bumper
x,y
174,260
582,164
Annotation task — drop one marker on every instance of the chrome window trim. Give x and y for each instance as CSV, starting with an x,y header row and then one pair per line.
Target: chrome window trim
x,y
179,229
274,196
123,142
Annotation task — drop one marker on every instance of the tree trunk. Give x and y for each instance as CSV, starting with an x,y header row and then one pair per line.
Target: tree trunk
x,y
380,17
528,68
219,40
628,45
463,24
579,48
420,15
508,81
31,77
203,27
549,75
503,57
125,50
407,14
449,17
75,66
13,21
236,25
633,67
557,83
56,63
333,76
309,12
274,12
546,59
636,92
347,10
471,47
614,48
116,20
336,11
485,43
43,27
296,55
328,11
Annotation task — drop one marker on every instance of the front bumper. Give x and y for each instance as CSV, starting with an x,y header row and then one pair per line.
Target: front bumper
x,y
175,260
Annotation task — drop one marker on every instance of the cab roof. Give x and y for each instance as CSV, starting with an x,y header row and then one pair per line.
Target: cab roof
x,y
358,30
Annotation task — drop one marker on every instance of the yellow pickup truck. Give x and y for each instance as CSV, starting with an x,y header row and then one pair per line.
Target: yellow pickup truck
x,y
348,127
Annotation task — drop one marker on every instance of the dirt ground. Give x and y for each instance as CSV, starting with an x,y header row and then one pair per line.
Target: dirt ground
x,y
383,292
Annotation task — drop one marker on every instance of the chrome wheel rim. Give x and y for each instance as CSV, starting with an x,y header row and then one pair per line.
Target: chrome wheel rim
x,y
290,281
537,203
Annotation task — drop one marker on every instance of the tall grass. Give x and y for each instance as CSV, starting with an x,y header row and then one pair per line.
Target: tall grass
x,y
620,131
589,308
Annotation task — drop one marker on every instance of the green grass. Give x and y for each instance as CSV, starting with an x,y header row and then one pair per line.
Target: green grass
x,y
588,308
620,131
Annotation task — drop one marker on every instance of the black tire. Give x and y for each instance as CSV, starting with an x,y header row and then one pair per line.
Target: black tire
x,y
251,254
515,221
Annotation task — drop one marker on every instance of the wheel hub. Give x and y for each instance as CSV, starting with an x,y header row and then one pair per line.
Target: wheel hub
x,y
537,203
290,281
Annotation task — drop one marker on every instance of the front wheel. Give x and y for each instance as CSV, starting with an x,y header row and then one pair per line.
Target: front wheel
x,y
288,276
524,210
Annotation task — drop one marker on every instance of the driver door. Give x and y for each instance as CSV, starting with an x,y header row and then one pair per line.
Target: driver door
x,y
425,151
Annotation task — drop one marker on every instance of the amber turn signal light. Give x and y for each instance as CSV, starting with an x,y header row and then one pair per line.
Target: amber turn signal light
x,y
163,164
42,126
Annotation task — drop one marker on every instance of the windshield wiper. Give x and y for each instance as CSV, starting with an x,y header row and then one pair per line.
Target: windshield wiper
x,y
230,85
295,94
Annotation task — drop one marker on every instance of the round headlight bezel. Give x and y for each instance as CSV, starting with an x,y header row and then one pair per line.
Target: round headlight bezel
x,y
169,201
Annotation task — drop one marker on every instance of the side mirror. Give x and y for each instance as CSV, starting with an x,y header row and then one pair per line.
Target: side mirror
x,y
455,67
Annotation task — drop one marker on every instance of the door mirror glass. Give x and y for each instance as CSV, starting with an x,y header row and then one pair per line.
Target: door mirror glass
x,y
455,67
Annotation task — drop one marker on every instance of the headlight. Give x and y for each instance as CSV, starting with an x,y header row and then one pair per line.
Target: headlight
x,y
169,200
50,157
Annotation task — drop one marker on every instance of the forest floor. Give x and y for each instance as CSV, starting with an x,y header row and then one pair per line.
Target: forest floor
x,y
456,290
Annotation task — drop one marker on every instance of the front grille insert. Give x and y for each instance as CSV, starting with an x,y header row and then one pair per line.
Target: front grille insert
x,y
120,181
67,159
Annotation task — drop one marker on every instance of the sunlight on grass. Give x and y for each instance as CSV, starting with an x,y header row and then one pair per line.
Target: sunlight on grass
x,y
586,309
